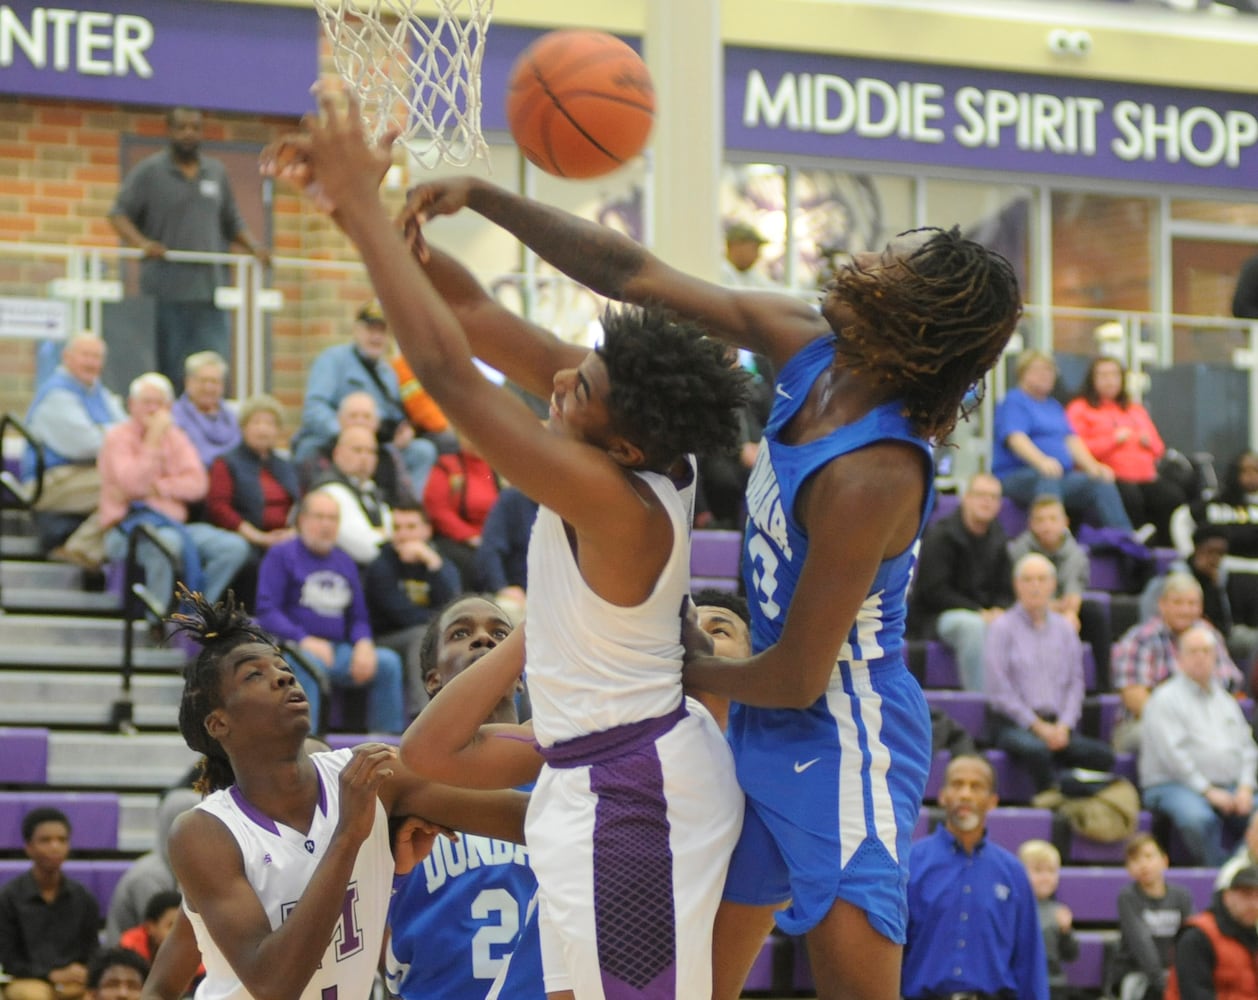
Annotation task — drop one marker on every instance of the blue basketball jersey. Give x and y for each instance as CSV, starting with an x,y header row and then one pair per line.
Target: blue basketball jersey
x,y
456,919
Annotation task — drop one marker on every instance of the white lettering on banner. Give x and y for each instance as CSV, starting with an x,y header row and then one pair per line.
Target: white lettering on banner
x,y
91,43
871,108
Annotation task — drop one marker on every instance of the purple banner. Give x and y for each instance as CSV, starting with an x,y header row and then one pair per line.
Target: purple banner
x,y
219,56
944,116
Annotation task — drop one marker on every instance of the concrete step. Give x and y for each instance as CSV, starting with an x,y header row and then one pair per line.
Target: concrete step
x,y
137,821
60,600
107,656
81,631
19,547
152,761
43,575
60,698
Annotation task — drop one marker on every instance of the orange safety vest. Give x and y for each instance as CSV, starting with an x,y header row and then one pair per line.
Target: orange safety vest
x,y
1235,967
421,409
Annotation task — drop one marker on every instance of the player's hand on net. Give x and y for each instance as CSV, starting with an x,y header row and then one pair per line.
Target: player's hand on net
x,y
427,201
413,840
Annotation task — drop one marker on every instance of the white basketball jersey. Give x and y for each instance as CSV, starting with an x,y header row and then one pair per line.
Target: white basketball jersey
x,y
279,862
593,665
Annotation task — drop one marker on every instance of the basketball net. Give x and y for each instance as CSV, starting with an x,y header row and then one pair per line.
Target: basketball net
x,y
417,75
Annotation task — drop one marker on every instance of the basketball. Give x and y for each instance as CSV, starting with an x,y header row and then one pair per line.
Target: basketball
x,y
580,103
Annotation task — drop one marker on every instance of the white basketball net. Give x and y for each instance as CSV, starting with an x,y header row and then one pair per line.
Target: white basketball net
x,y
421,76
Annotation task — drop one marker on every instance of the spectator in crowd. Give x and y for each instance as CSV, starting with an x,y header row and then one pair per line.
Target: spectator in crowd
x,y
1033,670
200,412
358,409
1245,299
180,200
743,244
1150,914
69,415
461,492
361,366
252,487
150,473
1146,656
1035,451
159,917
502,557
964,578
366,518
974,926
1198,761
1048,533
1216,954
309,594
421,409
1121,435
150,873
1043,867
116,974
405,585
1234,509
48,922
1246,854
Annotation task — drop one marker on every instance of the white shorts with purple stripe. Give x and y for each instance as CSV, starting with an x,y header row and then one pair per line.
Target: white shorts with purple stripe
x,y
630,833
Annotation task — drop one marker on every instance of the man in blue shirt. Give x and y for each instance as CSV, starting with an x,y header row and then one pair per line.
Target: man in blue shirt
x,y
974,930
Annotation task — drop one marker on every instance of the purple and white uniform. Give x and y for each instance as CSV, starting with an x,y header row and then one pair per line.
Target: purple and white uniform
x,y
279,862
633,819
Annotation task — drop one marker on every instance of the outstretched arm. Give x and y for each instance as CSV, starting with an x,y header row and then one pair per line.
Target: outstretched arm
x,y
615,266
449,742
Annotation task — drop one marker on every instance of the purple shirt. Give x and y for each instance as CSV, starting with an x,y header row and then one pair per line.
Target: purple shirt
x,y
1029,668
301,594
211,436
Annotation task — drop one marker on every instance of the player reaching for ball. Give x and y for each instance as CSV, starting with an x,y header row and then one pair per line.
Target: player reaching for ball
x,y
285,867
636,810
831,734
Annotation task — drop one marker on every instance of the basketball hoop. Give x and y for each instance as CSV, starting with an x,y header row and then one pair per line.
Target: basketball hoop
x,y
417,75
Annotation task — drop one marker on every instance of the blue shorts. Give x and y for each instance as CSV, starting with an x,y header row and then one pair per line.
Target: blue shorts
x,y
833,794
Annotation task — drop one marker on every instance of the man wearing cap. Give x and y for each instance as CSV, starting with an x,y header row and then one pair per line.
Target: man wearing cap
x,y
361,366
1216,954
742,250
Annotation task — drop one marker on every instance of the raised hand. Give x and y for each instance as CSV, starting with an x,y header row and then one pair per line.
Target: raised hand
x,y
360,781
427,201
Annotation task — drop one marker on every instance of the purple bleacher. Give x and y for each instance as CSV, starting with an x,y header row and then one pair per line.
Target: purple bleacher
x,y
99,877
941,667
340,741
1107,572
945,504
1125,767
715,553
1012,518
934,780
1109,710
1089,668
93,817
922,827
1091,892
1087,972
967,709
1011,826
728,584
23,756
1162,560
1012,781
1086,851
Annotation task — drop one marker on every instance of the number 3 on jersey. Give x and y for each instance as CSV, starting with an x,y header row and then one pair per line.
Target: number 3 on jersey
x,y
764,574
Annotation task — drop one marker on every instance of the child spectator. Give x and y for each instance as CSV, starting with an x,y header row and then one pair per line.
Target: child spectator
x,y
1150,914
1043,866
116,974
159,917
48,922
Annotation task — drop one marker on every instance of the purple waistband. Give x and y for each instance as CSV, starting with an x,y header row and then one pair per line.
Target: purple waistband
x,y
597,747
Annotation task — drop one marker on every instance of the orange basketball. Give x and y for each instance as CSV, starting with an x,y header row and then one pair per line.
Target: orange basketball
x,y
580,103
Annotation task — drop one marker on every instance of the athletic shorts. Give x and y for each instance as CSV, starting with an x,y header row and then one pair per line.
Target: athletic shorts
x,y
833,794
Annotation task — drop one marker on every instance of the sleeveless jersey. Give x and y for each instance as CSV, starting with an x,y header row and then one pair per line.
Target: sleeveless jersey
x,y
279,862
457,919
592,665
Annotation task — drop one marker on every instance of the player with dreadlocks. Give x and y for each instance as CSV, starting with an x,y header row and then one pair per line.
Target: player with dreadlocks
x,y
286,867
831,734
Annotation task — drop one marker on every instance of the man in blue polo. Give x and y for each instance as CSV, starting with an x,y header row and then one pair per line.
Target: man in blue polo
x,y
180,200
974,927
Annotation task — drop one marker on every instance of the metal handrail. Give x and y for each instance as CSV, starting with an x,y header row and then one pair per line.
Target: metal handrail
x,y
13,494
122,715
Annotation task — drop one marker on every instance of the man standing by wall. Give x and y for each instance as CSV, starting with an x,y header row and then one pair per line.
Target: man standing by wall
x,y
180,200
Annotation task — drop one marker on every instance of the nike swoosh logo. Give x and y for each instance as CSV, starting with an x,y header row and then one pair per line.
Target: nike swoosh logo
x,y
801,768
783,393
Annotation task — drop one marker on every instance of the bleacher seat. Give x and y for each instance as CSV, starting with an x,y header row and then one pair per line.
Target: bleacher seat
x,y
714,559
1100,714
1087,972
1091,891
967,709
1012,518
940,670
1012,780
1086,851
934,779
23,756
1011,826
93,817
100,877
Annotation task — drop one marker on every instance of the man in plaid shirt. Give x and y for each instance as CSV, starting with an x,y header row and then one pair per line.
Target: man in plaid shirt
x,y
1145,656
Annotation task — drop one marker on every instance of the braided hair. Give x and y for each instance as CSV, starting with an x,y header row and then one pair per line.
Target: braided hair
x,y
219,629
933,330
